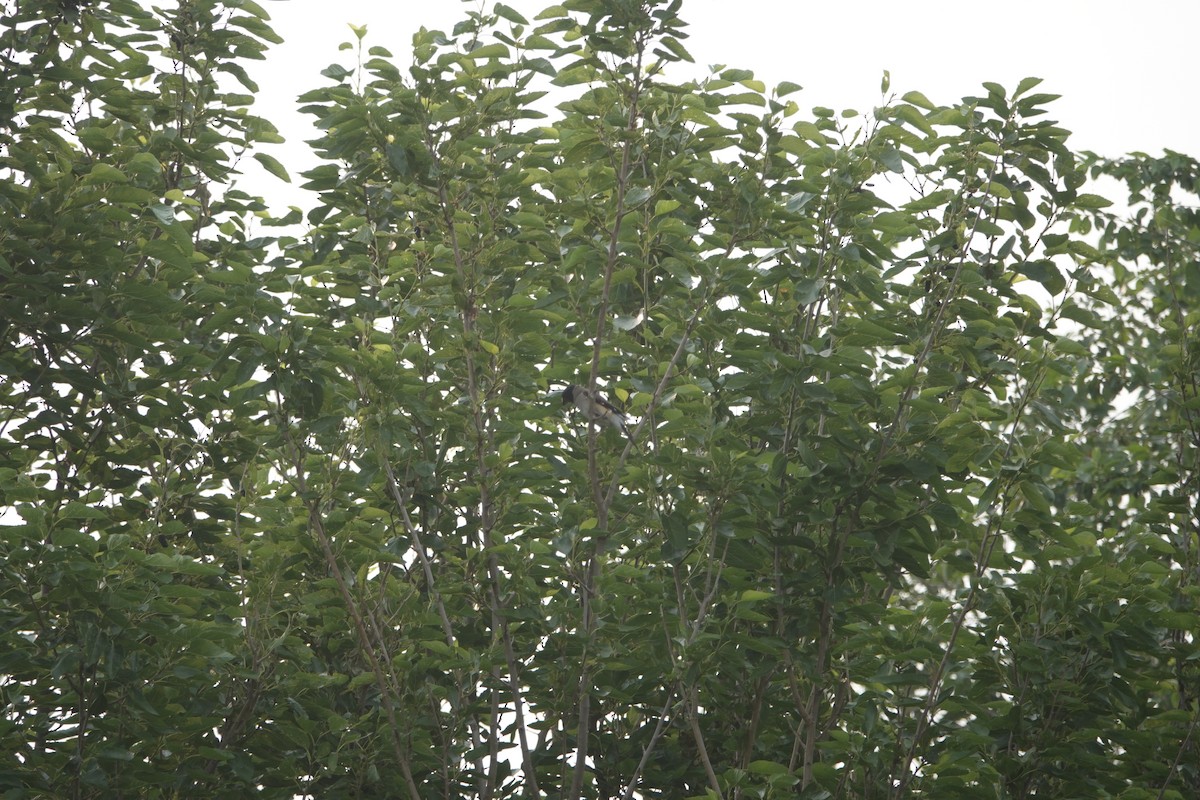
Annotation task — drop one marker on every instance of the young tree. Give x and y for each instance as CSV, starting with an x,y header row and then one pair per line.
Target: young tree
x,y
130,310
908,504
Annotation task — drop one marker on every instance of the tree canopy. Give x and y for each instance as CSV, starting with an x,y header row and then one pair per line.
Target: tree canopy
x,y
291,506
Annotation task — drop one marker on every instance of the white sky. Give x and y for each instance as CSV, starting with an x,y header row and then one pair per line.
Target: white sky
x,y
1126,70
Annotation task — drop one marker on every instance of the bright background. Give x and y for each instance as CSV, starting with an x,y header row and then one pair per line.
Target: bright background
x,y
1126,71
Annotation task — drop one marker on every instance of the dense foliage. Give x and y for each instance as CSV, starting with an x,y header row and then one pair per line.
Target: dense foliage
x,y
292,507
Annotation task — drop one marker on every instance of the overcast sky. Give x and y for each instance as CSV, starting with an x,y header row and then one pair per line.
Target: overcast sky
x,y
1127,71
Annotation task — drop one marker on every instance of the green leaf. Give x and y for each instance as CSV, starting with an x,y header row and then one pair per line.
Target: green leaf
x,y
77,510
144,165
337,72
809,131
767,768
784,88
1045,273
918,99
808,290
637,195
510,14
995,88
104,173
890,158
915,118
1092,201
495,50
397,156
1025,85
665,207
273,166
1033,494
676,49
164,213
797,202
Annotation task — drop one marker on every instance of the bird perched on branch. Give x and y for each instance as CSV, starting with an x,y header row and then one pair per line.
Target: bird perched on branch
x,y
596,408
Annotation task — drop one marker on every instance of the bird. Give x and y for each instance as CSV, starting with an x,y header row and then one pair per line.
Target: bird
x,y
596,408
